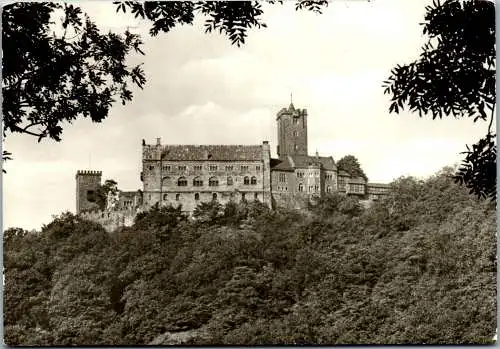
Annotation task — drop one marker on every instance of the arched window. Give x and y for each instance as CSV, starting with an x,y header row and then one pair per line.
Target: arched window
x,y
246,180
229,180
329,189
182,182
165,196
253,181
197,197
198,182
301,187
177,197
213,182
214,196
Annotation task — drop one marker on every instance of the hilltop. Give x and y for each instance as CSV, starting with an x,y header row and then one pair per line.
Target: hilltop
x,y
418,266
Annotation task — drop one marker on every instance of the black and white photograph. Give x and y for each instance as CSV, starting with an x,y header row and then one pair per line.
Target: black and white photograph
x,y
243,173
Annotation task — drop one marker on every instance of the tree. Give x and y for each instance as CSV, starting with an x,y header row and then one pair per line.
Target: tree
x,y
53,75
350,164
455,76
107,194
53,78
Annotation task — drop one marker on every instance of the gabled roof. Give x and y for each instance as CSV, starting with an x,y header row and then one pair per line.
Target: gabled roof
x,y
213,152
344,173
303,161
281,165
292,162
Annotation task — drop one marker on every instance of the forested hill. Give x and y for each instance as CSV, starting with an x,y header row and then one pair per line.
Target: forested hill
x,y
418,267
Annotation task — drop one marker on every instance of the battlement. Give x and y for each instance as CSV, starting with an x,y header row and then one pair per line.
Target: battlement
x,y
88,173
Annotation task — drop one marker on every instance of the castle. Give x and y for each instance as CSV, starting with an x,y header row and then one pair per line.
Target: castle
x,y
190,174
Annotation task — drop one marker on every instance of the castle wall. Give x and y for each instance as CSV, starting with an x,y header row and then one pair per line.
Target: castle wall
x,y
161,179
111,220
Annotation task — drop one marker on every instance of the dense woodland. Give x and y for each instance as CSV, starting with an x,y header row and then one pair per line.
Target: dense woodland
x,y
417,267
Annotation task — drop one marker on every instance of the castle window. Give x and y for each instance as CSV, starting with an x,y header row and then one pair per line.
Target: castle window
x,y
91,196
301,187
253,181
151,168
329,176
182,168
229,180
257,168
229,168
197,168
311,188
242,196
246,180
300,174
177,197
329,189
167,182
197,182
295,121
316,188
165,197
244,168
166,168
212,168
149,197
295,133
256,196
182,182
197,197
213,182
214,196
282,177
296,147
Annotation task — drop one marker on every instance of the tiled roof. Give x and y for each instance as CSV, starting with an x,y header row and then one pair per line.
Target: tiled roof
x,y
344,173
282,165
303,161
213,152
357,180
379,185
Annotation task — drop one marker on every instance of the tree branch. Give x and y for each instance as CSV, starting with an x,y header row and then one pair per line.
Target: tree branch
x,y
492,116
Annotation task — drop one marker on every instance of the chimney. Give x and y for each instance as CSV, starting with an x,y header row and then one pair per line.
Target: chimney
x,y
158,141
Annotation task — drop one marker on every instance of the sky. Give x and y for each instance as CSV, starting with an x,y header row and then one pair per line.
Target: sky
x,y
202,90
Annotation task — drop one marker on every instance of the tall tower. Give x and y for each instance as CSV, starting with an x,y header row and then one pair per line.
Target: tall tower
x,y
87,185
292,131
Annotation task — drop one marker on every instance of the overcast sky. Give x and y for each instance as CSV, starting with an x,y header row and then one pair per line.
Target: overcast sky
x,y
202,90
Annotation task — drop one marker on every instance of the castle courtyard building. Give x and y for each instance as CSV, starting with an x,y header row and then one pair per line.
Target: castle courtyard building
x,y
188,175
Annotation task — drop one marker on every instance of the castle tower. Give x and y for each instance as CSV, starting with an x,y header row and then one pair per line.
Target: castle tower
x,y
292,131
87,185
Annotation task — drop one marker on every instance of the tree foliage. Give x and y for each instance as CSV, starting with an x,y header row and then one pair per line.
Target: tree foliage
x,y
455,76
417,267
52,78
351,165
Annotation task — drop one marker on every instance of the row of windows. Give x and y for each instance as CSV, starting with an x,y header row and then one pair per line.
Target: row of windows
x,y
212,181
358,188
168,168
314,188
197,196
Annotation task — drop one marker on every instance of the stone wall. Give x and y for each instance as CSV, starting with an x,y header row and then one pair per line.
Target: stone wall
x,y
111,220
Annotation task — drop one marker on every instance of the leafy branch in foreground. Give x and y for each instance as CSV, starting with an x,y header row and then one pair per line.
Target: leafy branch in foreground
x,y
52,78
455,75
